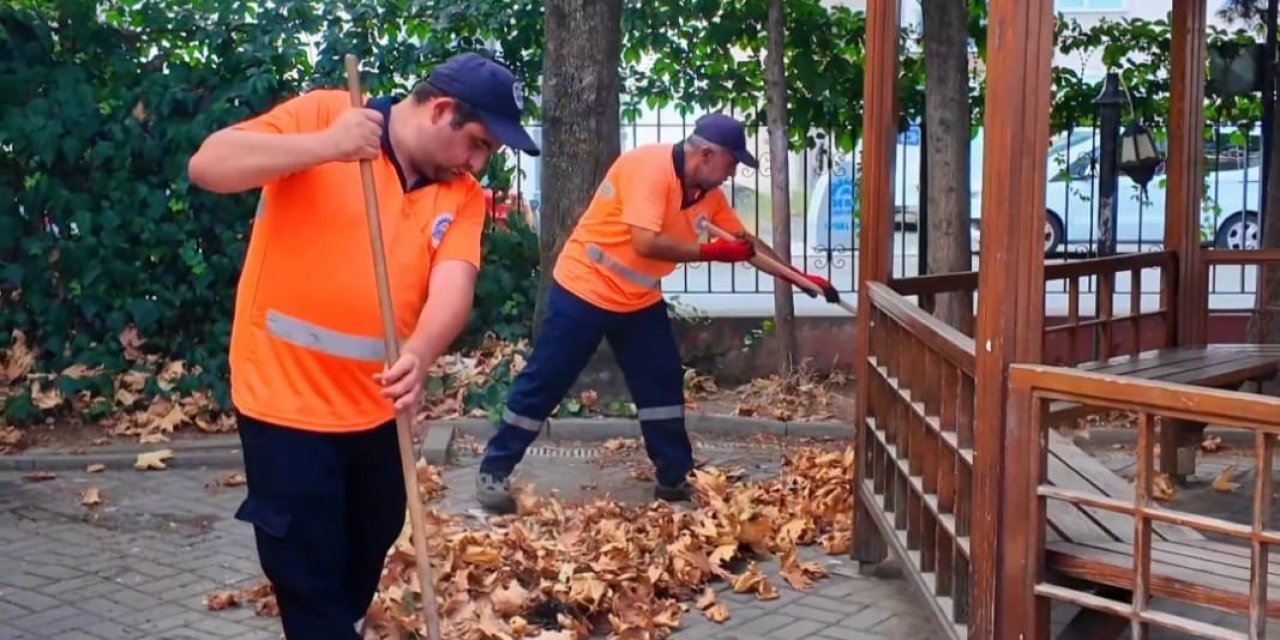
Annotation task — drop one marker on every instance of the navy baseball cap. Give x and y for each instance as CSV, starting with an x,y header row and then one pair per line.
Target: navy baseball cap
x,y
492,91
727,132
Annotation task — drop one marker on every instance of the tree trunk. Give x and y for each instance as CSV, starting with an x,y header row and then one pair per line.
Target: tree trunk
x,y
580,128
580,117
946,68
776,86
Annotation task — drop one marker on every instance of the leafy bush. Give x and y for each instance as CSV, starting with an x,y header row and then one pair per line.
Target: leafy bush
x,y
109,258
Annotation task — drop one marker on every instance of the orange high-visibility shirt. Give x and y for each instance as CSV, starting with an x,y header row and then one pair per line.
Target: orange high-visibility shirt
x,y
307,336
641,189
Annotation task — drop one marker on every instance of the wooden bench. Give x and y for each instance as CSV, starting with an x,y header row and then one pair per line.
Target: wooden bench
x,y
1220,366
1092,549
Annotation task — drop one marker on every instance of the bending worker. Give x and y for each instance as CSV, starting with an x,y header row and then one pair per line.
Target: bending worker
x,y
644,219
315,402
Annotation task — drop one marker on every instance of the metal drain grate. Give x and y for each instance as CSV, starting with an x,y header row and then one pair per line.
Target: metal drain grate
x,y
581,453
565,452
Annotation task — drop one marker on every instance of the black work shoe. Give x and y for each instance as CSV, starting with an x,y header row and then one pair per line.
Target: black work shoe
x,y
494,494
682,492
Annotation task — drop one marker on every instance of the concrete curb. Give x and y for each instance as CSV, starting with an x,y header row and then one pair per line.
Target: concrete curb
x,y
224,450
601,429
213,451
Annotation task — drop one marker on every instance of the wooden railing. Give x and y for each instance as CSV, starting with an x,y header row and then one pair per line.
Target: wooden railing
x,y
1225,577
916,463
1253,270
1081,337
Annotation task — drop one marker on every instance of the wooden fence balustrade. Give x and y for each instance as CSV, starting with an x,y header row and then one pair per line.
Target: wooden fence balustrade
x,y
1195,570
1096,336
1258,270
917,460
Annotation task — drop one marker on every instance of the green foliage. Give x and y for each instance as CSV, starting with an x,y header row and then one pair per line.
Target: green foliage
x,y
106,101
505,292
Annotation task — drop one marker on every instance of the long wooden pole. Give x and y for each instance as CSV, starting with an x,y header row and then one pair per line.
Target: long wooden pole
x,y
1006,542
407,466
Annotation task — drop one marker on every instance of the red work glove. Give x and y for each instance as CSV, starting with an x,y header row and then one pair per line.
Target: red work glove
x,y
726,250
829,292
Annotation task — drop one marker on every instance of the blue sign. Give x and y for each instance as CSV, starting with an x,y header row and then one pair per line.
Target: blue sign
x,y
836,224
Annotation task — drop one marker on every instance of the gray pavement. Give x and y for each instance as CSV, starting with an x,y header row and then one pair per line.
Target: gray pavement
x,y
139,565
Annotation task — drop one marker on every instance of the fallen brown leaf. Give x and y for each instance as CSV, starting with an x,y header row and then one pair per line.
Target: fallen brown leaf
x,y
1162,487
95,468
92,497
153,460
1222,483
39,476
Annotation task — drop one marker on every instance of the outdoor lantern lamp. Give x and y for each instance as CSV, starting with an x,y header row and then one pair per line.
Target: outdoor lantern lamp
x,y
1139,156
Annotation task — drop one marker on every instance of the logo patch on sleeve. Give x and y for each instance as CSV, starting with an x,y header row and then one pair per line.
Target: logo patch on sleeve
x,y
439,227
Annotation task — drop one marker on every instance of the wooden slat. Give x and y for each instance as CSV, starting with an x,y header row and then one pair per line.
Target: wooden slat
x,y
1083,472
938,336
1211,406
1170,621
1114,566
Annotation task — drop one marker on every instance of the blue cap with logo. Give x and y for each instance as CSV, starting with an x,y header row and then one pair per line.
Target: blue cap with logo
x,y
490,89
727,132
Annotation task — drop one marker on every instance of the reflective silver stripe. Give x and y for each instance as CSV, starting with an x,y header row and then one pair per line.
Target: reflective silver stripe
x,y
528,424
660,413
318,338
258,212
599,257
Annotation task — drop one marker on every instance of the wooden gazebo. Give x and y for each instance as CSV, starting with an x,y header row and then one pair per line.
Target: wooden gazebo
x,y
998,519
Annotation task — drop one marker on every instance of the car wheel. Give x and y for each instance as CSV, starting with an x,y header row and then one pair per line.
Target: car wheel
x,y
1053,231
1241,230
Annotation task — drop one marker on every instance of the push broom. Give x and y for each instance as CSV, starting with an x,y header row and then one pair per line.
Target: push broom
x,y
403,419
799,280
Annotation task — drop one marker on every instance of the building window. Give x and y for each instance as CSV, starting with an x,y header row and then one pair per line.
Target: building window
x,y
1090,5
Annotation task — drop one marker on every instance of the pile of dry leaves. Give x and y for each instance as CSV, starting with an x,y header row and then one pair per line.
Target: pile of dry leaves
x,y
129,409
564,571
803,393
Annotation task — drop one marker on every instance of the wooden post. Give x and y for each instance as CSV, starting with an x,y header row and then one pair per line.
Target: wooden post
x,y
1183,167
875,239
1010,321
1190,299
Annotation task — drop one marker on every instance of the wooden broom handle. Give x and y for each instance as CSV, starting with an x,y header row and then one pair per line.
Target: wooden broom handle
x,y
407,466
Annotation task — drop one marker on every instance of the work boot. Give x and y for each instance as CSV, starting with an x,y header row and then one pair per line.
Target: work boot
x,y
494,494
682,492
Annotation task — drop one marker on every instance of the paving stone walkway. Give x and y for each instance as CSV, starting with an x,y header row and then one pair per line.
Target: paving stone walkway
x,y
139,565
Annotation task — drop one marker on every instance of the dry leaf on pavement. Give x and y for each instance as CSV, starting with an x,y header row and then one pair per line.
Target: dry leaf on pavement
x,y
95,468
92,497
40,476
153,460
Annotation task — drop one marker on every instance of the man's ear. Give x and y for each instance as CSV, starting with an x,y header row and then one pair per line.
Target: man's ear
x,y
438,109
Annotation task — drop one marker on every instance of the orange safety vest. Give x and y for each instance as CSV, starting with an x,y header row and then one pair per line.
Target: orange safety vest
x,y
643,188
307,336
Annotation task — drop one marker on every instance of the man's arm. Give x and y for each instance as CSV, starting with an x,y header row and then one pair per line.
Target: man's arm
x,y
444,316
295,135
233,160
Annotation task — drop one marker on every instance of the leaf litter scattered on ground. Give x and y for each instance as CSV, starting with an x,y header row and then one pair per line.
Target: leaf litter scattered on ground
x,y
557,570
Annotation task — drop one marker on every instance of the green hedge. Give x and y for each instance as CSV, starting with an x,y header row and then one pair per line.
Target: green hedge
x,y
103,105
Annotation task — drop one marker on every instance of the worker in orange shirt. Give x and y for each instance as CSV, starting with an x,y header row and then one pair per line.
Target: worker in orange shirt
x,y
315,402
644,219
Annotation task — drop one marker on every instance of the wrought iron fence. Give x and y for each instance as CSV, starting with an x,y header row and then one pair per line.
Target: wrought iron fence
x,y
825,219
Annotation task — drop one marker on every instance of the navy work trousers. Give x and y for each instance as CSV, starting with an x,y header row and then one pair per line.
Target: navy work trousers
x,y
325,509
645,347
